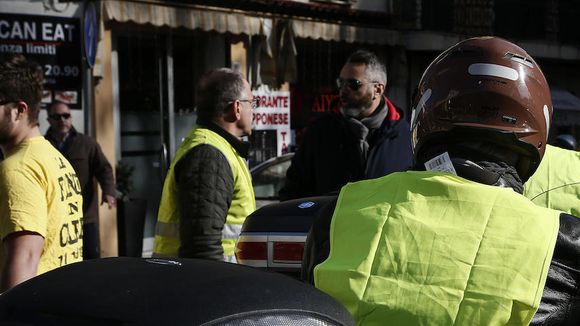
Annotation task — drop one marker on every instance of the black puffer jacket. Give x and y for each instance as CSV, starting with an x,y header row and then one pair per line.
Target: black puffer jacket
x,y
205,184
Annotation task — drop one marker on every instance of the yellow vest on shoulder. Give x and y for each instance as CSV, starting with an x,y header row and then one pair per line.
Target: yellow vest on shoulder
x,y
243,202
556,183
427,248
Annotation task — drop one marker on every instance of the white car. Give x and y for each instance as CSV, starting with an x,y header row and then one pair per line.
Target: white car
x,y
268,178
273,237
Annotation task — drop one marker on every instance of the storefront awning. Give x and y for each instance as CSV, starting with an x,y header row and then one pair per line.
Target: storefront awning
x,y
159,14
344,33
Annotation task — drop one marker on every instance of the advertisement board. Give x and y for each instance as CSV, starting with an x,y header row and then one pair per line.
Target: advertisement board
x,y
54,43
273,113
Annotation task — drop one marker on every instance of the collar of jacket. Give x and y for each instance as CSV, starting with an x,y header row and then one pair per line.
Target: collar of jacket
x,y
392,117
498,174
392,114
242,147
49,135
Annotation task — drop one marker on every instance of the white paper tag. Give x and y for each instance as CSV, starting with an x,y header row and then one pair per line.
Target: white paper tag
x,y
440,163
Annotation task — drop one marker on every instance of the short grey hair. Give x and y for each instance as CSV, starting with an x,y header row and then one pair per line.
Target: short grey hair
x,y
375,71
216,90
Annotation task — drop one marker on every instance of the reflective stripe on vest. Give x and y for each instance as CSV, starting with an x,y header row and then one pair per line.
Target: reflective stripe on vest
x,y
243,203
427,248
556,182
170,230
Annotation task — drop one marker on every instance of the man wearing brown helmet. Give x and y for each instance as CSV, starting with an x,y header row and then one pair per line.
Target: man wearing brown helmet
x,y
455,242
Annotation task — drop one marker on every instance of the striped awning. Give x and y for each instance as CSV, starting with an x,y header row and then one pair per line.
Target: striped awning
x,y
160,14
344,33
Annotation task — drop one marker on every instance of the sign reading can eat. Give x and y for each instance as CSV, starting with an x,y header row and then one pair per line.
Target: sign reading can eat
x,y
273,113
53,43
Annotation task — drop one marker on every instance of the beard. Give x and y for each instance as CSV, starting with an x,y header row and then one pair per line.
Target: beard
x,y
355,107
5,128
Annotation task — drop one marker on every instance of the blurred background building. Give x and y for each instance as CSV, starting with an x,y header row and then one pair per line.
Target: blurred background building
x,y
129,67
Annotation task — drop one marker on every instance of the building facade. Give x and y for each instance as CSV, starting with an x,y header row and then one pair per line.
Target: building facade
x,y
137,97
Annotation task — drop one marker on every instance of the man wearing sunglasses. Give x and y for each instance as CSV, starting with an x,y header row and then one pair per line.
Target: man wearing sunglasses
x,y
367,138
40,196
89,162
208,191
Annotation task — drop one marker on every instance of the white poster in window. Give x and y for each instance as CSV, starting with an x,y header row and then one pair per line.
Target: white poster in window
x,y
273,113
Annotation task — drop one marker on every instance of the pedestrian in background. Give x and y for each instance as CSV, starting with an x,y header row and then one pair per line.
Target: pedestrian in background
x,y
87,158
457,244
40,195
208,191
368,138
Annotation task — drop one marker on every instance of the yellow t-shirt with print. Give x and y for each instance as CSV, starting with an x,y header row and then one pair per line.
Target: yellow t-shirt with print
x,y
40,192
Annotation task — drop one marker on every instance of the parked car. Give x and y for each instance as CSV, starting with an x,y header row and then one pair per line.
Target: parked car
x,y
268,177
273,237
137,291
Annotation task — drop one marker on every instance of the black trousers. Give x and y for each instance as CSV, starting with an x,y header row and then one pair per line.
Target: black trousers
x,y
91,243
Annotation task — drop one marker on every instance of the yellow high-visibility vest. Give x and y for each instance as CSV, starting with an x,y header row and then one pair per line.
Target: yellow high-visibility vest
x,y
556,183
428,248
243,202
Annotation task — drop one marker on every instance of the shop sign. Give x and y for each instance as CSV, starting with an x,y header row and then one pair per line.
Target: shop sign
x,y
90,33
325,103
273,113
52,42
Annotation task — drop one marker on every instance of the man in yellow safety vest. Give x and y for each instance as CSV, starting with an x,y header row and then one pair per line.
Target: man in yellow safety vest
x,y
208,191
455,242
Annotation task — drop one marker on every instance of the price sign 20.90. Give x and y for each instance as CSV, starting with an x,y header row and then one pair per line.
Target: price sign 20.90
x,y
64,71
52,42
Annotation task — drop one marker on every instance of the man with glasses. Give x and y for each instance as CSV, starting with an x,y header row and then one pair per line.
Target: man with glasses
x,y
208,191
89,162
367,138
40,195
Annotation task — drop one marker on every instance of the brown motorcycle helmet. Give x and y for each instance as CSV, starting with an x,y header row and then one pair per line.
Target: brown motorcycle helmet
x,y
485,95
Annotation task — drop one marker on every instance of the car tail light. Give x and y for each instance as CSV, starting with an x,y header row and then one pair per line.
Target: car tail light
x,y
277,251
288,252
252,251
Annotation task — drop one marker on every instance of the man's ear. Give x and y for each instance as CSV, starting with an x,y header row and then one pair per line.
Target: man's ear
x,y
380,88
233,113
237,107
22,110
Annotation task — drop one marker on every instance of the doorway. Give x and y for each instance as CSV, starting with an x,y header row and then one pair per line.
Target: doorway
x,y
157,73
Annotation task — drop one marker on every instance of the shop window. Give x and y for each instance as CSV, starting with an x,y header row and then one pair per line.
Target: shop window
x,y
139,80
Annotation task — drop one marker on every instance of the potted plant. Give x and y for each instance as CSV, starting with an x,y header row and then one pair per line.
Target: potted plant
x,y
130,213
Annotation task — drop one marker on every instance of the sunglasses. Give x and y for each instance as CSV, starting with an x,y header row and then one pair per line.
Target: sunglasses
x,y
56,116
352,83
253,102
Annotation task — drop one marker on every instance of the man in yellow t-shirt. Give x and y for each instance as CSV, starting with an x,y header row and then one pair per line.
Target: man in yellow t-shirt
x,y
40,195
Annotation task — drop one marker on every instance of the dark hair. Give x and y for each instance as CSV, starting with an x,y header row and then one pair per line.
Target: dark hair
x,y
376,71
55,103
21,80
215,92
